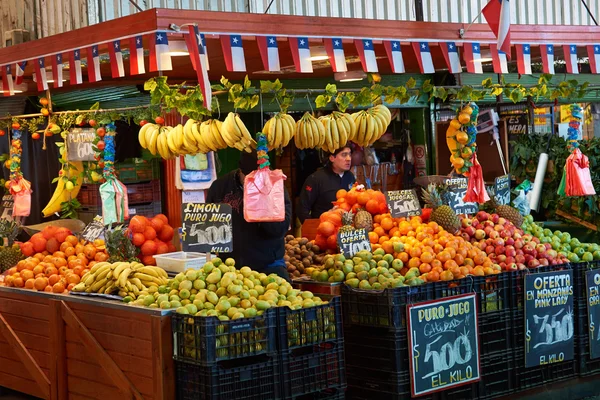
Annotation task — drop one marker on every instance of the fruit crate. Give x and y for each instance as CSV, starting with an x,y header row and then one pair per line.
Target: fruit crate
x,y
372,348
312,372
89,196
87,214
587,366
138,170
146,210
496,374
140,193
309,326
526,378
260,381
207,340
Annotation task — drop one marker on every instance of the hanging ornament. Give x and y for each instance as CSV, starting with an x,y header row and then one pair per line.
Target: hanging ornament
x,y
18,186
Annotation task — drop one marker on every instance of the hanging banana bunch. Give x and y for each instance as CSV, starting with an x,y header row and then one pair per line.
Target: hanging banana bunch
x,y
208,135
279,130
235,134
310,132
371,124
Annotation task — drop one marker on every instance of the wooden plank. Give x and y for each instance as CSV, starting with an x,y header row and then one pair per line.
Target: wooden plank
x,y
118,343
24,308
124,314
31,341
24,295
93,390
26,358
98,352
29,325
43,359
17,368
59,353
20,384
577,220
132,327
45,24
127,362
164,370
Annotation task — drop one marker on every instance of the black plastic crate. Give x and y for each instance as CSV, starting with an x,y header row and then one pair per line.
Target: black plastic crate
x,y
206,340
496,374
257,381
309,326
587,366
145,210
370,351
495,332
526,378
313,371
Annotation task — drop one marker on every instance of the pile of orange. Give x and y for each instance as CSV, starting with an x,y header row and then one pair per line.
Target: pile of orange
x,y
354,199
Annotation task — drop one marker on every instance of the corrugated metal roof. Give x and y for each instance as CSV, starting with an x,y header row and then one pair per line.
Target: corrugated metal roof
x,y
14,105
109,97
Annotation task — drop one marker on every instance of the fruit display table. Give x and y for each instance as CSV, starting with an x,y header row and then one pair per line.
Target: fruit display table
x,y
58,347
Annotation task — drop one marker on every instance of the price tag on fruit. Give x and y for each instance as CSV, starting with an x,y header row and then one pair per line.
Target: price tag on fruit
x,y
94,230
443,341
352,241
454,196
592,280
403,203
548,318
206,228
502,189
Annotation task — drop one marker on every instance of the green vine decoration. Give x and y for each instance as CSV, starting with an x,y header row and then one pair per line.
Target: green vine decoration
x,y
188,102
280,95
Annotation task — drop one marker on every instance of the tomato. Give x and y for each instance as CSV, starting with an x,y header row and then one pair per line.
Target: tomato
x,y
2,132
143,122
16,125
100,145
159,120
35,136
100,132
92,122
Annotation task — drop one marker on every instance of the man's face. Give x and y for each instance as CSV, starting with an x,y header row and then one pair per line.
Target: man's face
x,y
343,160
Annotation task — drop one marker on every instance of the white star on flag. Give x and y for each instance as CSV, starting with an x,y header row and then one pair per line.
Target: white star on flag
x,y
395,45
271,40
159,37
423,45
235,40
116,45
301,41
336,43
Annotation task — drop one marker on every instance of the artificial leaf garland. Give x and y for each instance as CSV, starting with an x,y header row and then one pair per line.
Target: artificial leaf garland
x,y
18,186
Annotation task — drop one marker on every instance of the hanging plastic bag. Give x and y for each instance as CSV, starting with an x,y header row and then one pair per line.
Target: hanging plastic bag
x,y
476,192
108,195
578,178
370,157
21,192
521,202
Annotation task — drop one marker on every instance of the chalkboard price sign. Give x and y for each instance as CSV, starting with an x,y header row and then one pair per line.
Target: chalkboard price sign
x,y
94,229
592,279
548,318
454,196
403,203
206,228
353,241
443,343
79,144
517,124
502,189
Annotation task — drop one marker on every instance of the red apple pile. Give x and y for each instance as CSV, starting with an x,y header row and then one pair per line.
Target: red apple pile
x,y
507,245
152,236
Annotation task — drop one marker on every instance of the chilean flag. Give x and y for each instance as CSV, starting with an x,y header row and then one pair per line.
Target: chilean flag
x,y
7,81
547,51
233,51
570,52
269,52
205,55
160,58
497,15
450,51
301,54
472,54
394,53
499,60
75,67
116,59
335,52
196,49
93,64
20,72
423,57
594,56
524,59
136,56
57,70
366,52
40,74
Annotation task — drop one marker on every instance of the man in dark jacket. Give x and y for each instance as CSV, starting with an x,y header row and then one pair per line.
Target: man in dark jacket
x,y
258,245
320,188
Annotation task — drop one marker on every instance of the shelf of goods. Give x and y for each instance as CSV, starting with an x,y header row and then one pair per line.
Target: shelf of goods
x,y
59,347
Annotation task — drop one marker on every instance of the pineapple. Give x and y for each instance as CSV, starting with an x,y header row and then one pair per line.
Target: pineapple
x,y
443,215
119,246
10,254
363,219
347,220
505,211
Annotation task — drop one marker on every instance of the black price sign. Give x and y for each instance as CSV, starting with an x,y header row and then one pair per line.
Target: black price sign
x,y
517,124
79,144
94,229
454,196
502,189
443,343
592,279
206,227
353,241
548,318
403,203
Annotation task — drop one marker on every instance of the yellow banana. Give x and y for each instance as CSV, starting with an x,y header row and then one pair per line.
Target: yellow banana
x,y
171,140
246,136
299,139
61,194
98,284
215,130
122,280
142,135
152,141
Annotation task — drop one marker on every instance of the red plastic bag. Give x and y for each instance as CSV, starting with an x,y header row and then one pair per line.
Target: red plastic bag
x,y
264,196
476,192
579,180
21,191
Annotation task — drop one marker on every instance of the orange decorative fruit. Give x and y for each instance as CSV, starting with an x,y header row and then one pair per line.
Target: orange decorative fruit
x,y
340,194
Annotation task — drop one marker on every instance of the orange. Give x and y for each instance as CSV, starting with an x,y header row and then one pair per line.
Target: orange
x,y
469,262
433,276
394,232
78,270
425,268
62,271
460,260
403,257
29,283
450,264
40,283
375,246
446,276
443,256
18,282
478,271
83,272
27,274
351,197
59,262
479,259
83,258
415,252
414,262
373,237
64,246
58,287
90,251
383,239
387,224
73,278
379,231
78,248
51,271
52,279
59,254
363,198
48,289
465,271
101,256
340,194
372,206
377,219
427,257
436,264
388,247
72,240
38,269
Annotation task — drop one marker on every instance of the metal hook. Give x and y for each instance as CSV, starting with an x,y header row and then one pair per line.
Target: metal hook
x,y
309,104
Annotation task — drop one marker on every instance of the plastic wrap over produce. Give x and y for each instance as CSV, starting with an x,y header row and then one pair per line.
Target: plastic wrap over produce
x,y
264,196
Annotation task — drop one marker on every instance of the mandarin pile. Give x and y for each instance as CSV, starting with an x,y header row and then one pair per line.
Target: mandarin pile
x,y
152,236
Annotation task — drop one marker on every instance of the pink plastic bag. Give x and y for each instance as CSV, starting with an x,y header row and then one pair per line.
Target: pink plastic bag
x,y
264,196
579,180
21,191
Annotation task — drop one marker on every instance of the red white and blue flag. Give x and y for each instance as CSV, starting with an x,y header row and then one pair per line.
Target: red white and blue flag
x,y
301,54
497,15
269,52
547,51
335,51
8,88
160,58
20,72
450,51
524,59
594,57
196,49
136,56
499,60
205,55
233,52
116,59
40,74
366,53
472,55
57,70
423,57
93,64
394,53
570,51
75,67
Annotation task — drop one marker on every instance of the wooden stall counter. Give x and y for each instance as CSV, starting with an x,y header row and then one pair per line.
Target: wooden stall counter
x,y
62,346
